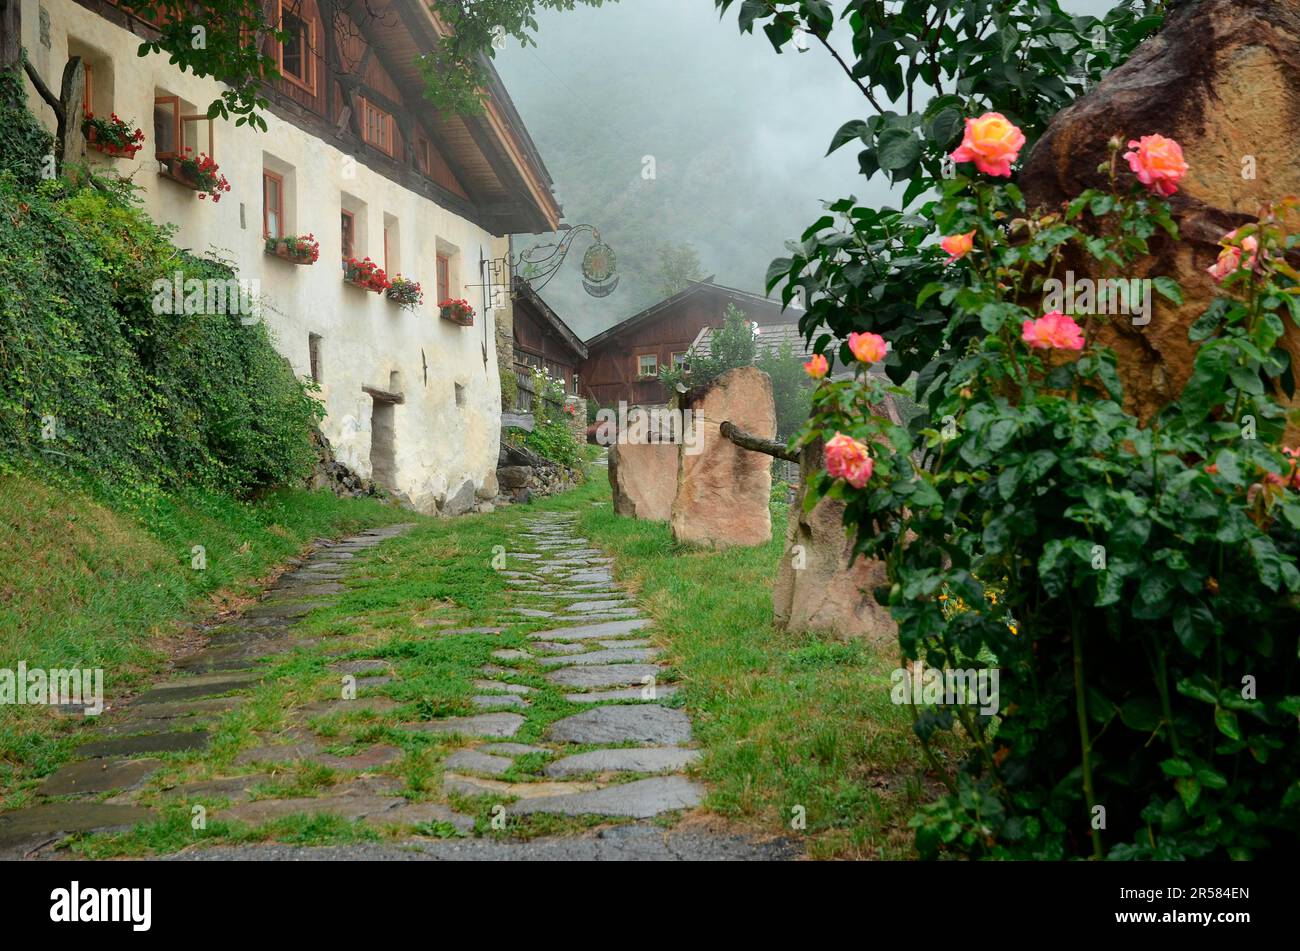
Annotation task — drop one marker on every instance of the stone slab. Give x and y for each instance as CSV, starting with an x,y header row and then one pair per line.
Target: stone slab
x,y
646,723
645,760
495,725
97,776
641,799
611,675
591,631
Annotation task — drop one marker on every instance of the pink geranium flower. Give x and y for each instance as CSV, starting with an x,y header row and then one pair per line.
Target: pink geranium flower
x,y
992,142
847,459
1157,162
1053,331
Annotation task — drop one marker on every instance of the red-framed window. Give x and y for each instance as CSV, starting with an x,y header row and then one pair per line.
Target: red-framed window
x,y
87,107
173,131
296,55
348,225
272,205
376,126
444,278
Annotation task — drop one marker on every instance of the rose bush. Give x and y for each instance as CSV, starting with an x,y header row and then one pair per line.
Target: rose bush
x,y
1146,618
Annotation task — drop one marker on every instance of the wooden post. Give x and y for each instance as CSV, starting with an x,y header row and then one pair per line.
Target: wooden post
x,y
757,444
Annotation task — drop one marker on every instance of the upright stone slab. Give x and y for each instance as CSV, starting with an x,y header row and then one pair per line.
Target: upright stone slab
x,y
723,491
819,587
1223,79
643,479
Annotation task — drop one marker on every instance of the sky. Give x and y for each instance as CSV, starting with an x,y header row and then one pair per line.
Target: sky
x,y
737,135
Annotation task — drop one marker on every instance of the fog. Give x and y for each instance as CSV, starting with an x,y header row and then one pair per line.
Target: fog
x,y
662,124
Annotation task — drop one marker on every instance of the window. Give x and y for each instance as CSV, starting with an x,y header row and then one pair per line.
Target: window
x,y
349,234
376,127
647,364
679,360
444,278
272,205
88,105
424,152
174,131
313,353
295,53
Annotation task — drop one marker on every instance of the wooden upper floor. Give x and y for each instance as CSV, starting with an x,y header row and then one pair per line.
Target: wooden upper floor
x,y
351,76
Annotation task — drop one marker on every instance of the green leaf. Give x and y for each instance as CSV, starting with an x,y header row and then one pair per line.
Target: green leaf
x,y
1168,288
1226,721
897,149
851,130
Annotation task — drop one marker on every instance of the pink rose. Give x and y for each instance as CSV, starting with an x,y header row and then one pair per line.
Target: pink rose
x,y
869,348
1052,331
847,459
1158,163
817,367
992,142
1230,257
958,245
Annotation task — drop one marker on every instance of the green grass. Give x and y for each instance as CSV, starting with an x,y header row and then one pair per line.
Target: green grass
x,y
789,723
89,583
786,720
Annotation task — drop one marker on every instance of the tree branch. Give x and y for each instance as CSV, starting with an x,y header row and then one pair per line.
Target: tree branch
x,y
43,89
866,90
756,443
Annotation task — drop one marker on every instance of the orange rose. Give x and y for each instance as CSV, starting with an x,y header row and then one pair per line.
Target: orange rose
x,y
992,142
958,245
817,367
869,348
847,459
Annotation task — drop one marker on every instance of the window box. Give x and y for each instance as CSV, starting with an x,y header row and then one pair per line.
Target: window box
x,y
200,173
457,311
111,136
365,274
405,293
296,249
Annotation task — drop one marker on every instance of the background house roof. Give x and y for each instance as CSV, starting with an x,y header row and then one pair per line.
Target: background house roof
x,y
528,298
706,286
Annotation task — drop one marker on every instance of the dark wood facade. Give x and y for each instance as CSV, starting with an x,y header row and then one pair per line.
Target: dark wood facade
x,y
616,359
542,339
364,65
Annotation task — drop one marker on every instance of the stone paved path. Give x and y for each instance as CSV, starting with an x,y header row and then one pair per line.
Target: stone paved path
x,y
609,742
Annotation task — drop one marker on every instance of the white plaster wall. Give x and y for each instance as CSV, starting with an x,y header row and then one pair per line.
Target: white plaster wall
x,y
365,338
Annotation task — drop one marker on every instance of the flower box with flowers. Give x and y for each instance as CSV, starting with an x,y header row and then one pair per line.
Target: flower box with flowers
x,y
457,311
365,274
295,248
405,293
199,172
111,136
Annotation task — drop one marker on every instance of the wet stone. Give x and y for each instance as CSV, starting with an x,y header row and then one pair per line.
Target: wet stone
x,y
641,799
495,725
647,723
26,827
97,776
609,656
612,675
640,694
498,702
651,760
176,742
591,631
475,762
499,685
232,787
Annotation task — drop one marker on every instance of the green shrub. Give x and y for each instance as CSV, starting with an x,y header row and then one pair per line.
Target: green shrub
x,y
1146,627
93,377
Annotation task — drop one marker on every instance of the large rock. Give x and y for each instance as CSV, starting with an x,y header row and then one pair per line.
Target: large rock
x,y
723,491
1223,79
819,586
460,501
644,480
